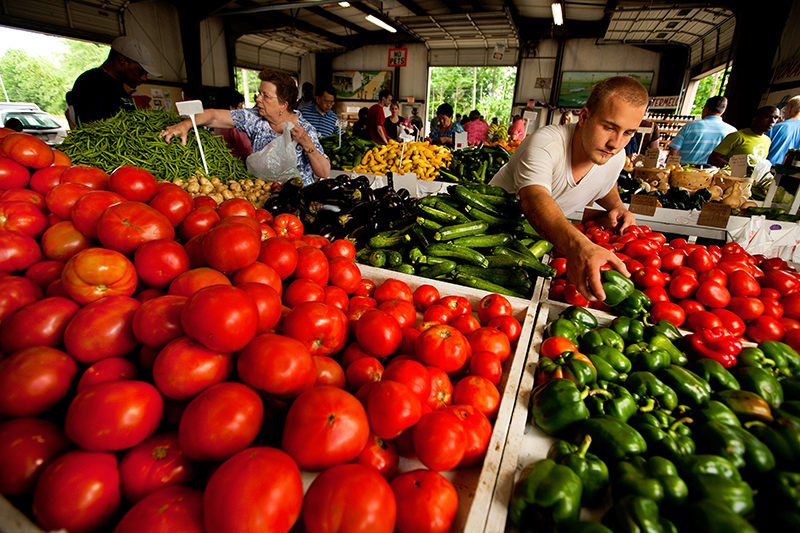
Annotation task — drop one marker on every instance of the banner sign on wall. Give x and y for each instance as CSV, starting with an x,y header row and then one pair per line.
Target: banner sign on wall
x,y
787,71
397,57
664,102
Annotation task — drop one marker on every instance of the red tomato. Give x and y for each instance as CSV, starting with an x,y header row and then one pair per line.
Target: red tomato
x,y
772,307
441,389
155,463
633,265
61,198
63,240
90,176
159,262
684,271
714,274
257,489
258,272
15,293
673,260
109,323
325,426
365,288
195,279
322,328
691,306
573,297
791,305
732,248
478,392
408,345
109,369
741,283
317,241
220,422
444,346
312,264
426,502
425,296
340,248
379,333
769,293
487,365
362,371
556,292
221,317
712,294
478,430
488,339
237,207
336,297
41,323
439,314
381,455
731,321
439,440
205,201
276,364
765,328
392,408
174,203
173,508
508,325
639,248
184,368
134,183
303,290
747,308
793,338
667,311
683,286
25,195
362,301
656,294
649,277
493,305
27,446
289,226
12,174
42,274
412,374
125,226
393,289
17,251
560,264
789,324
78,491
197,222
371,509
457,304
782,281
23,217
33,380
344,273
700,260
402,310
45,179
775,263
230,247
27,150
703,320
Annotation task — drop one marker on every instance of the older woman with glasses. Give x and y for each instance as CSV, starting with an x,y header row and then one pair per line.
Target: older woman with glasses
x,y
265,123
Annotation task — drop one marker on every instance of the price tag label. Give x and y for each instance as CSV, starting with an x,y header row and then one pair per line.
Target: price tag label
x,y
738,165
641,204
674,160
714,215
592,214
651,157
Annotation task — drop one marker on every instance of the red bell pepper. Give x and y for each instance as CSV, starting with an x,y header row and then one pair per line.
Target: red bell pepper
x,y
718,344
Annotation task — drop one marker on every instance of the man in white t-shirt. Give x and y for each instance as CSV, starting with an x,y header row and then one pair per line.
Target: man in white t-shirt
x,y
560,169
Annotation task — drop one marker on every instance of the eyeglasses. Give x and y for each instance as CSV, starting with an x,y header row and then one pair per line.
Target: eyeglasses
x,y
323,101
265,96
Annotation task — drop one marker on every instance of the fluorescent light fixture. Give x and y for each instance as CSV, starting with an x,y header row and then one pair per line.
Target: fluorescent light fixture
x,y
558,15
380,23
344,4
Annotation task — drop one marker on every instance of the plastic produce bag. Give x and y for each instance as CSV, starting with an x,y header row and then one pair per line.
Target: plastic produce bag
x,y
278,160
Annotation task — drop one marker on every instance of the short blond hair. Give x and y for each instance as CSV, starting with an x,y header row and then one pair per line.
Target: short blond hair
x,y
629,89
793,103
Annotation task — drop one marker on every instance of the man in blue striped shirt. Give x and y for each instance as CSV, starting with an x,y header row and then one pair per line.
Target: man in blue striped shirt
x,y
320,113
696,140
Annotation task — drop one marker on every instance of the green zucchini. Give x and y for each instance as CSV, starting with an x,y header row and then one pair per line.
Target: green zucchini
x,y
445,267
419,234
414,255
362,256
540,247
377,258
525,261
492,220
521,248
455,251
501,276
455,231
402,222
474,199
428,223
528,230
405,268
502,261
482,284
393,258
461,218
484,241
388,239
437,215
487,189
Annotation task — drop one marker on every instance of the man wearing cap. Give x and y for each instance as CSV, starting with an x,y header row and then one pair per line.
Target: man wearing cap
x,y
100,92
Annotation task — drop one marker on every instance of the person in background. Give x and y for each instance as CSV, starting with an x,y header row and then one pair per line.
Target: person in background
x,y
558,170
445,131
476,128
14,124
274,107
307,96
100,92
458,118
393,122
697,139
517,130
377,117
320,114
641,142
416,120
69,113
239,143
361,126
749,141
494,120
566,118
785,135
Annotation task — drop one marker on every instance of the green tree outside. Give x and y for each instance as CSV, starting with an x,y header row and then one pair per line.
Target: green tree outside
x,y
490,90
713,85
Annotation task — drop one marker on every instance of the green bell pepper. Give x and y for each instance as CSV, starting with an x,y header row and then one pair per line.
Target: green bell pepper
x,y
656,479
761,382
666,328
616,286
650,392
715,374
590,469
546,498
601,337
557,404
634,514
612,400
665,435
587,527
579,315
753,357
630,329
711,516
570,365
561,327
737,445
606,372
747,405
712,410
782,437
612,438
613,356
787,360
791,388
714,477
783,489
644,358
662,342
690,388
637,305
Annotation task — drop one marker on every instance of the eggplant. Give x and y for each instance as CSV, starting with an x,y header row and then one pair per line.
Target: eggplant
x,y
361,235
358,215
367,194
334,206
290,189
360,182
331,232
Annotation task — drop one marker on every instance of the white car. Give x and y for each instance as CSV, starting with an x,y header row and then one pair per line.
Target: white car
x,y
34,121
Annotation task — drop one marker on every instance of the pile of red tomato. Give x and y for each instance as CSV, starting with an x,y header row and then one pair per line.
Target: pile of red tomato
x,y
700,287
170,364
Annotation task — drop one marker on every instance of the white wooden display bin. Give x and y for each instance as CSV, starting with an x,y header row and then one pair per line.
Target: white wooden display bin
x,y
476,485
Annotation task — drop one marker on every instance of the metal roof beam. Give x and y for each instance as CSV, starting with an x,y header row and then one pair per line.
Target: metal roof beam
x,y
324,13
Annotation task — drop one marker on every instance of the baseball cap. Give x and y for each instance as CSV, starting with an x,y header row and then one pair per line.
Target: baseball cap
x,y
136,51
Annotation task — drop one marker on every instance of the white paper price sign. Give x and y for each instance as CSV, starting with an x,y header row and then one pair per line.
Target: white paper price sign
x,y
651,157
738,165
674,160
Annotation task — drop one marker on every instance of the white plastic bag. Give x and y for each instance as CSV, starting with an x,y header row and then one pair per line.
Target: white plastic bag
x,y
278,160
